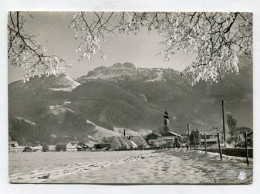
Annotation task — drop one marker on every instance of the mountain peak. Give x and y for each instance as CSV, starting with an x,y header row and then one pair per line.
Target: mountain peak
x,y
124,65
128,72
61,82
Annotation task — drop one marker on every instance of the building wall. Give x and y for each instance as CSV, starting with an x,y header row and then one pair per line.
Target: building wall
x,y
70,148
52,148
16,149
60,148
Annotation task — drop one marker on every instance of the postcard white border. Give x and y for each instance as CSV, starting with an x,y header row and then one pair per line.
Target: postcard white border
x,y
124,5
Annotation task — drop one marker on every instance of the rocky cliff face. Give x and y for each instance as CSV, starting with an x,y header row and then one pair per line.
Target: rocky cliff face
x,y
128,72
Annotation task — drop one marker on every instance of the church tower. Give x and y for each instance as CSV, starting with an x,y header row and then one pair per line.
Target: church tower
x,y
166,122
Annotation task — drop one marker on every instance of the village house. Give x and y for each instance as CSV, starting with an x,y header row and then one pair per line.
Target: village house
x,y
154,140
153,136
37,148
170,137
65,147
241,139
90,144
13,144
81,146
250,138
27,149
52,148
211,139
102,146
14,147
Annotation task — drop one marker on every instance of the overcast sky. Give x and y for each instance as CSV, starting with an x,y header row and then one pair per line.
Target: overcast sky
x,y
53,32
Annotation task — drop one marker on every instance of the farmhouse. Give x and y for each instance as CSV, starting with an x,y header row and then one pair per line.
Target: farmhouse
x,y
14,147
154,140
64,146
52,148
13,144
250,138
17,149
210,141
37,148
153,136
169,138
27,149
102,145
81,146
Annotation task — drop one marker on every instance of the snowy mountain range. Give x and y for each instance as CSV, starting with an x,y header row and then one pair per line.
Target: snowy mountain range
x,y
124,97
128,72
60,82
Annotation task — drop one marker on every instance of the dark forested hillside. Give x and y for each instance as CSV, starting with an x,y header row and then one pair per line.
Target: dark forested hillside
x,y
124,96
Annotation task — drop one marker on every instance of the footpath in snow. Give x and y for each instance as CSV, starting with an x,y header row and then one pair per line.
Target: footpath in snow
x,y
169,166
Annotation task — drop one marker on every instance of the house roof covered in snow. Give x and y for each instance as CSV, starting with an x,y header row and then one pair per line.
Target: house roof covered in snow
x,y
62,143
154,134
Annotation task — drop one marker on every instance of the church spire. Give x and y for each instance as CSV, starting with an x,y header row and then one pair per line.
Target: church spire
x,y
166,121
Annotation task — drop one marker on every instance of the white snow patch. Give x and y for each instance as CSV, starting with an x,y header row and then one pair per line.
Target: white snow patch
x,y
158,78
127,131
26,120
68,89
58,109
134,144
73,85
90,122
101,132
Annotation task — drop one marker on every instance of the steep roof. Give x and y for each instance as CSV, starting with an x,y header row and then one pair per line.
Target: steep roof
x,y
62,143
153,135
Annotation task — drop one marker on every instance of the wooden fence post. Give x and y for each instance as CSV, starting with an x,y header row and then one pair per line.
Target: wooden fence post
x,y
247,161
223,118
194,140
205,142
188,140
220,151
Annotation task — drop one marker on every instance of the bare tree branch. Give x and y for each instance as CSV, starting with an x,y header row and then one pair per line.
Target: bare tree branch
x,y
25,52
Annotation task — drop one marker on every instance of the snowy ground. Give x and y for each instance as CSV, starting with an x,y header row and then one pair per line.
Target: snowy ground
x,y
133,167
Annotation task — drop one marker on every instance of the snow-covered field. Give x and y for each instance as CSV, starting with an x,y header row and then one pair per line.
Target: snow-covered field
x,y
162,166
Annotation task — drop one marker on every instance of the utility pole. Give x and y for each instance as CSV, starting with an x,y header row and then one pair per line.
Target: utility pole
x,y
247,161
223,118
219,147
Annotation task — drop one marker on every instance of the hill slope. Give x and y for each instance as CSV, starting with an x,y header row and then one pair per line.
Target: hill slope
x,y
123,96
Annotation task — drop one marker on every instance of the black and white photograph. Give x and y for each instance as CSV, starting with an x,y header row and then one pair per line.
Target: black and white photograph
x,y
130,97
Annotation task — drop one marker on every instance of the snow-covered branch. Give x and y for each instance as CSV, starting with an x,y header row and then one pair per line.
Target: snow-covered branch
x,y
25,52
218,39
